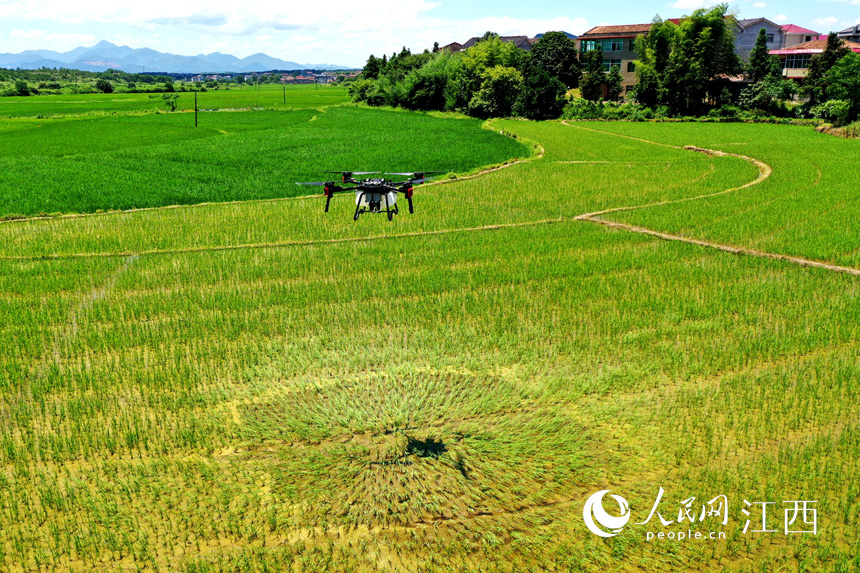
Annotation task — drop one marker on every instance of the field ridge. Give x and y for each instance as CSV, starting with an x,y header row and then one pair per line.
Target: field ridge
x,y
765,171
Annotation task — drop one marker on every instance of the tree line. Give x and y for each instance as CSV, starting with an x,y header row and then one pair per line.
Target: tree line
x,y
689,69
491,79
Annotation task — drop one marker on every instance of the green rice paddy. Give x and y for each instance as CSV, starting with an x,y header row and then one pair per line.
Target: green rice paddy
x,y
92,163
261,386
266,96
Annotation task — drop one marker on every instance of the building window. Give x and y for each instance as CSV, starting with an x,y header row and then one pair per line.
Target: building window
x,y
633,45
809,38
631,66
607,45
797,62
770,38
607,65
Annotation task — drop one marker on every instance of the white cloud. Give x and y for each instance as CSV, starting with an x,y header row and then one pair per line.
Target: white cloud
x,y
340,31
512,26
857,21
828,21
781,18
220,13
27,39
759,5
693,4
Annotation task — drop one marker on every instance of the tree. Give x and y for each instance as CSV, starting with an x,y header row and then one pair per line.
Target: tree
x,y
424,88
653,52
594,76
701,55
104,86
843,81
613,84
499,91
21,88
371,68
468,78
815,83
435,47
759,63
556,53
542,96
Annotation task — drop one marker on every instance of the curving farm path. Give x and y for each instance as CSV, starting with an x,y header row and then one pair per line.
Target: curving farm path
x,y
764,171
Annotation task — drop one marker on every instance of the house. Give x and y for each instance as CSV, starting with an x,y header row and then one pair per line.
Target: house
x,y
795,35
452,47
522,42
568,34
851,34
795,59
747,33
617,43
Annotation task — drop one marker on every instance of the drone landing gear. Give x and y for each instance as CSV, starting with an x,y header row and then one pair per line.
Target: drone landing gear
x,y
375,207
388,208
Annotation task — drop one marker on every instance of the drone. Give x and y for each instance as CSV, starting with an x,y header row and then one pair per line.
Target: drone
x,y
374,195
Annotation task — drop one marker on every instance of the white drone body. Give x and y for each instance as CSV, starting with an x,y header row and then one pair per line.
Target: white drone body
x,y
370,200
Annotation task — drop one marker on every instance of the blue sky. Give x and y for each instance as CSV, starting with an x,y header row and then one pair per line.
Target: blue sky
x,y
346,31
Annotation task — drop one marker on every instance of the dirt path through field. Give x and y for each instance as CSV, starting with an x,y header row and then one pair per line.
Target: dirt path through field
x,y
764,171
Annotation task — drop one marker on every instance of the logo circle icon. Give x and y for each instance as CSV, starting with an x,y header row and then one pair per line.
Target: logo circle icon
x,y
593,510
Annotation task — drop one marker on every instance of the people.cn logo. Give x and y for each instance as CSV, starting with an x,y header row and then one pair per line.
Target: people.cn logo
x,y
593,510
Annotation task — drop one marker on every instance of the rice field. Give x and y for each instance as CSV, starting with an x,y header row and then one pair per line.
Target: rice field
x,y
261,386
266,96
99,163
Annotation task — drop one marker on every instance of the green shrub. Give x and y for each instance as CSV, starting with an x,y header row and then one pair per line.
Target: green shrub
x,y
835,111
104,86
542,96
500,89
725,112
579,108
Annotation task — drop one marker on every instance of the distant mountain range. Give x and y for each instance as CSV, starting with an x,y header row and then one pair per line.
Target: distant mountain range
x,y
105,55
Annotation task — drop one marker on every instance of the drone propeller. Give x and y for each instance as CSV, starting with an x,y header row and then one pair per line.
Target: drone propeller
x,y
321,184
418,173
347,175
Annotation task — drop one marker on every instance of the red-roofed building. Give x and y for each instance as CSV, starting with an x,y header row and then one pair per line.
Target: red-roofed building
x,y
794,35
795,60
617,44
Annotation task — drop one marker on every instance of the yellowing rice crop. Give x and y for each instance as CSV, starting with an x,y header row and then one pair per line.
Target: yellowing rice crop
x,y
260,386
